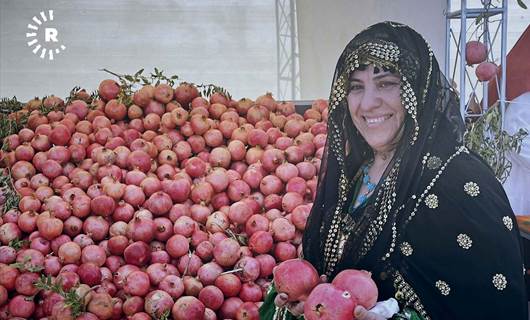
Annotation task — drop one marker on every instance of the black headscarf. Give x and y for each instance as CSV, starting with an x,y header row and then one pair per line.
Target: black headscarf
x,y
432,125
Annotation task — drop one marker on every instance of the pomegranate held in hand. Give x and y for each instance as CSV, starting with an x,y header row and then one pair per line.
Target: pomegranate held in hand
x,y
296,278
328,302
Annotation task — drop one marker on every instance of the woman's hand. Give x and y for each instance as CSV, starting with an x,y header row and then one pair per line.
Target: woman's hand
x,y
362,314
296,308
381,311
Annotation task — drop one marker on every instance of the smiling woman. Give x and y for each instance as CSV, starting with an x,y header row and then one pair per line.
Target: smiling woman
x,y
399,195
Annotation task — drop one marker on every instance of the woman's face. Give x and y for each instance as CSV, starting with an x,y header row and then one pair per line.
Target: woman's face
x,y
375,107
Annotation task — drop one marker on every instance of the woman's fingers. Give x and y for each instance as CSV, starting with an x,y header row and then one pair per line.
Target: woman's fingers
x,y
362,314
323,278
296,308
281,299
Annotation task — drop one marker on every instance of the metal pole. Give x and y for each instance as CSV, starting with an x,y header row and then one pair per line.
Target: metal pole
x,y
447,41
462,85
292,22
278,44
504,30
485,84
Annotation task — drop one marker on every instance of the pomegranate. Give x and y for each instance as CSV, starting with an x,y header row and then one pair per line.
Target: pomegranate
x,y
158,302
227,252
476,52
328,302
296,278
188,308
108,89
486,71
359,284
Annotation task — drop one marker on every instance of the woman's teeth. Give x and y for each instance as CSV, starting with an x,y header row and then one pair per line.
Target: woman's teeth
x,y
376,120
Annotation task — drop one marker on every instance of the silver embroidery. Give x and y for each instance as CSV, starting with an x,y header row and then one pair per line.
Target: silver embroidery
x,y
499,281
406,249
443,287
472,189
508,222
434,162
464,241
431,201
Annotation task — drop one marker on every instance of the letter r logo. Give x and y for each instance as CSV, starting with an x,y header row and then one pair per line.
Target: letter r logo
x,y
50,34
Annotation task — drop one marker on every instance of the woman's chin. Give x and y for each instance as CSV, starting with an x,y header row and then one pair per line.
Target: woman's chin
x,y
380,145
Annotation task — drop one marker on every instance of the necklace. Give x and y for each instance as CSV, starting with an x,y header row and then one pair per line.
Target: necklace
x,y
370,186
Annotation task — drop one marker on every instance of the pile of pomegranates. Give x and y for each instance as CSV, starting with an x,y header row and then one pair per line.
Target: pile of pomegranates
x,y
155,204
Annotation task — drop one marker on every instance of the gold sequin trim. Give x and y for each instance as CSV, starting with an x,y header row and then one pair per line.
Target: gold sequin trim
x,y
472,189
464,241
406,249
406,294
431,201
443,287
499,281
508,222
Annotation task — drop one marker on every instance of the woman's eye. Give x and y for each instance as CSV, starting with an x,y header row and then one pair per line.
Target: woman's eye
x,y
355,87
388,84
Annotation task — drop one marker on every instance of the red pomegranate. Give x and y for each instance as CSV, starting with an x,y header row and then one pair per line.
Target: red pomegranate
x,y
486,71
476,52
296,278
329,302
359,284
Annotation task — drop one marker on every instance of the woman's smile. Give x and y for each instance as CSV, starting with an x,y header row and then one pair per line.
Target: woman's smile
x,y
375,121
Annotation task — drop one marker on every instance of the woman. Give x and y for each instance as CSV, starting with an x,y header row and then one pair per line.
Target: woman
x,y
399,195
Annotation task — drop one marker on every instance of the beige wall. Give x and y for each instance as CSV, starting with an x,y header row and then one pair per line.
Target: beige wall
x,y
325,27
228,43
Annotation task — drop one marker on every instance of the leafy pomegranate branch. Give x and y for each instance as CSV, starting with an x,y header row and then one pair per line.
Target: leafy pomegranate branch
x,y
24,266
9,124
18,244
71,298
486,138
8,192
130,81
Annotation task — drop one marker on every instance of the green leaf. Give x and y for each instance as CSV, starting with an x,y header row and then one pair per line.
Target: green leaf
x,y
479,19
165,315
17,244
522,4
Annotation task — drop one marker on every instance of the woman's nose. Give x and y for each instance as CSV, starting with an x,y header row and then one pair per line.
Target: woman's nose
x,y
370,98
